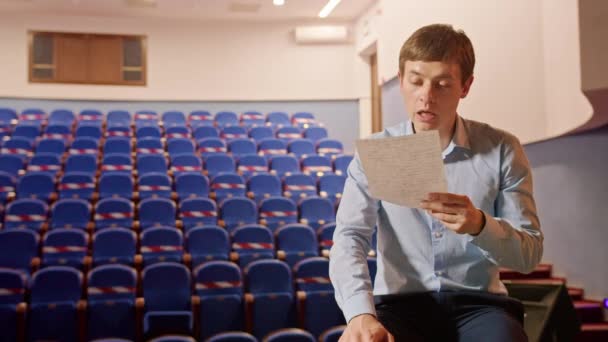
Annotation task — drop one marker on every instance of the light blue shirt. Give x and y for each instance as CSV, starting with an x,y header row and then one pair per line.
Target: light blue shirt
x,y
415,252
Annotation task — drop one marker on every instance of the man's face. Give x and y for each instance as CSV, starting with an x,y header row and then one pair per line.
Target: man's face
x,y
431,91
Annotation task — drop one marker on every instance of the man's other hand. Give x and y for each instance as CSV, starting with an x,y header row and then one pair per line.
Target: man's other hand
x,y
456,212
365,328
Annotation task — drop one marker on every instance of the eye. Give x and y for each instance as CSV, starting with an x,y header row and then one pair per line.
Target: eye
x,y
444,85
415,80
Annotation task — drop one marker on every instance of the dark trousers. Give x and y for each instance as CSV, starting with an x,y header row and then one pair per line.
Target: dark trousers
x,y
452,316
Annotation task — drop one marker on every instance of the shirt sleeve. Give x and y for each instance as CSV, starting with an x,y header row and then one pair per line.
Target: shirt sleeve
x,y
513,237
355,223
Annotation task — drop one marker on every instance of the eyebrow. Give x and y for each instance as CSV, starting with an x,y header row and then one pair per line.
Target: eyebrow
x,y
440,76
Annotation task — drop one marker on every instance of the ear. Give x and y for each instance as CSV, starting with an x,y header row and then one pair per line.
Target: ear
x,y
400,79
466,87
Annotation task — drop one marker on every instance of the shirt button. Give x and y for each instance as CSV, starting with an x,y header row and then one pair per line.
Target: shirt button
x,y
438,235
438,273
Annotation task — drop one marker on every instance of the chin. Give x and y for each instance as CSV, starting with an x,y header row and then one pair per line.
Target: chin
x,y
425,126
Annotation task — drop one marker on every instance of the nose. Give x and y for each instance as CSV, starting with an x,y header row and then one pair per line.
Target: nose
x,y
426,94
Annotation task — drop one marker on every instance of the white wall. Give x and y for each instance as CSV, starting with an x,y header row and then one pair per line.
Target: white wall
x,y
190,60
565,105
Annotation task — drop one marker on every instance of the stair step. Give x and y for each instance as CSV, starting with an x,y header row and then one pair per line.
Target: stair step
x,y
541,271
549,281
589,311
576,293
593,332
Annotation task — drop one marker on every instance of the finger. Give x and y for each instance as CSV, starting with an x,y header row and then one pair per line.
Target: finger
x,y
391,338
443,207
447,218
447,197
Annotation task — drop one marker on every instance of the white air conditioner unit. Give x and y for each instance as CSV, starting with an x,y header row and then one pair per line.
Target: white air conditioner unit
x,y
321,34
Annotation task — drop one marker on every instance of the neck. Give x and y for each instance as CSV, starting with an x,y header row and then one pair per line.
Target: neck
x,y
446,135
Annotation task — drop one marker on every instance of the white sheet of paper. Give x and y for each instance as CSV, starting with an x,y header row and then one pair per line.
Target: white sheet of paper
x,y
403,170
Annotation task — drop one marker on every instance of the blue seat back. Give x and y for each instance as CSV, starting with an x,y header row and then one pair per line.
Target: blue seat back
x,y
45,162
316,211
226,118
226,185
180,146
331,186
174,118
154,184
156,212
117,145
197,212
278,119
207,243
11,164
288,133
26,213
190,185
252,242
64,247
230,133
316,165
151,131
252,118
301,147
219,163
70,213
159,244
268,277
186,163
238,211
242,147
200,118
315,133
312,274
166,287
115,184
284,165
217,278
84,145
261,132
56,284
12,287
88,129
113,213
76,185
290,335
62,116
18,248
85,163
205,132
329,147
251,164
117,245
112,282
270,147
54,146
116,162
36,185
264,185
151,163
278,211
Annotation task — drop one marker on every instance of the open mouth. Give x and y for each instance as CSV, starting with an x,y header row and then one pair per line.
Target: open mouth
x,y
426,116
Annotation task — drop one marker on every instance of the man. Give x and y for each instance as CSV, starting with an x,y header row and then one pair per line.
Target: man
x,y
437,274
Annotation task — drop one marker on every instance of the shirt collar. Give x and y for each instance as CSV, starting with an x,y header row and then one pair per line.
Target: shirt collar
x,y
459,139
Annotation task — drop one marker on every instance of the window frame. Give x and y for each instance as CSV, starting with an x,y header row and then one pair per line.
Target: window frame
x,y
54,34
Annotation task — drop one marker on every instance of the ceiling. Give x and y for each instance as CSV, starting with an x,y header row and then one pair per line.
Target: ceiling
x,y
211,10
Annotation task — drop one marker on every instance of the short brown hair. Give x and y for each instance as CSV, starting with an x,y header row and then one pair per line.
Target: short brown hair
x,y
439,43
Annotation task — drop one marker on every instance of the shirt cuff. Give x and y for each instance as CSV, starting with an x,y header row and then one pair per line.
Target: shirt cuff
x,y
490,234
359,304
